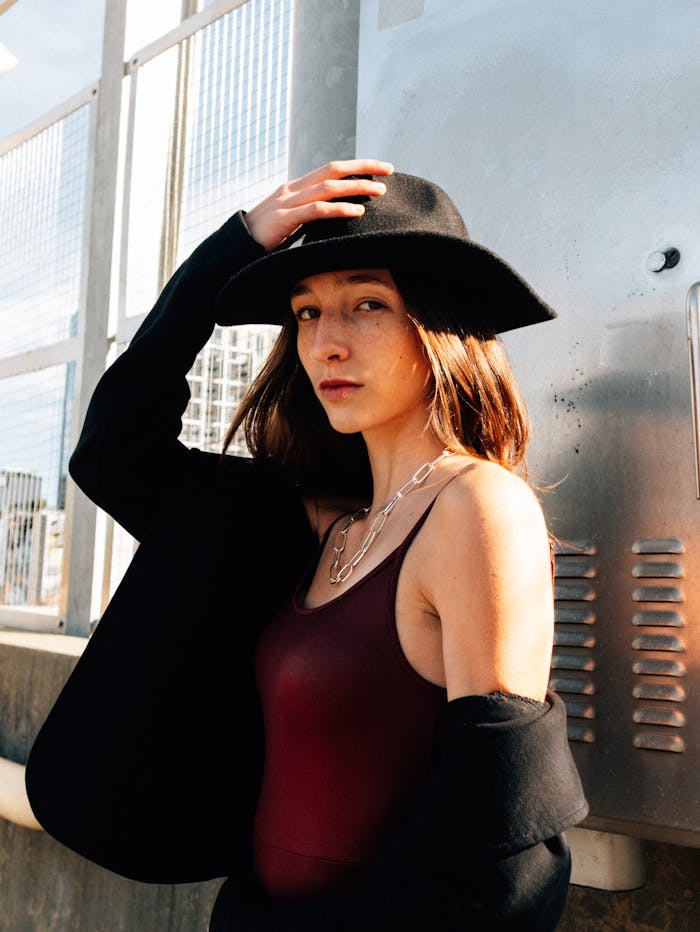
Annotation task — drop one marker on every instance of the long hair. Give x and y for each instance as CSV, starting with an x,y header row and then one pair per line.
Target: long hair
x,y
476,406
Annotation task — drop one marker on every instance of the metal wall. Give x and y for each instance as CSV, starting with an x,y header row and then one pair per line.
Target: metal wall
x,y
566,134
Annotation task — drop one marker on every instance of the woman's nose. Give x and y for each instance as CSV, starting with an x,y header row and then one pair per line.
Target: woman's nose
x,y
330,340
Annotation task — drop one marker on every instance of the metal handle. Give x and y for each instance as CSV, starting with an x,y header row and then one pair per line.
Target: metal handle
x,y
692,307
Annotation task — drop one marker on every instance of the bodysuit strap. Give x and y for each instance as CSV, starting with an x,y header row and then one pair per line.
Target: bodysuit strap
x,y
402,548
414,530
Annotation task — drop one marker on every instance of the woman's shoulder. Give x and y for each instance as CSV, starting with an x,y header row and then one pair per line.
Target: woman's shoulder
x,y
484,496
490,519
488,576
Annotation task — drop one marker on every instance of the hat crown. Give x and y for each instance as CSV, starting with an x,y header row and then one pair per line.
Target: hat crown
x,y
411,205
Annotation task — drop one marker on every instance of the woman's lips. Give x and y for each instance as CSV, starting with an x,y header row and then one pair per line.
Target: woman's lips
x,y
337,389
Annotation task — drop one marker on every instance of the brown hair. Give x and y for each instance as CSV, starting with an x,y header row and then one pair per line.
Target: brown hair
x,y
476,406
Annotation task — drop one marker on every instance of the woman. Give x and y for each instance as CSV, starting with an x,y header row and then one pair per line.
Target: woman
x,y
398,599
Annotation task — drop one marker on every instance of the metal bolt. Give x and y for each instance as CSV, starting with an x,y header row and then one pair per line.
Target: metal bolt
x,y
657,261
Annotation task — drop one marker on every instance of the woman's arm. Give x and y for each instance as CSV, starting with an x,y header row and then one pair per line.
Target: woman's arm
x,y
128,459
492,586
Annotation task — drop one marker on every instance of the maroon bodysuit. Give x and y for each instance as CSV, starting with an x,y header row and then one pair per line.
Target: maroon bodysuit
x,y
350,728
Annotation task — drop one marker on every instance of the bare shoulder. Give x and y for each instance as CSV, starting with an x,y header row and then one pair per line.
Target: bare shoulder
x,y
488,502
488,576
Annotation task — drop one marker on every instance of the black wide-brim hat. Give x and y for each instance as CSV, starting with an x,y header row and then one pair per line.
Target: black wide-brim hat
x,y
414,225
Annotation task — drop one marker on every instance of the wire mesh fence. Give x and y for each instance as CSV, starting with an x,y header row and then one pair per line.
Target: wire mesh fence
x,y
208,136
219,144
204,134
43,193
43,205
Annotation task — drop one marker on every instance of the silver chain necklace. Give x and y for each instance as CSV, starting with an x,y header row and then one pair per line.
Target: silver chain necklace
x,y
418,477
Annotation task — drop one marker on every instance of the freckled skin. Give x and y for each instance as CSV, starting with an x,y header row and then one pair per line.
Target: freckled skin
x,y
354,326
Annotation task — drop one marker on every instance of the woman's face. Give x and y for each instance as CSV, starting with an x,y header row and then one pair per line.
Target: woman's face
x,y
361,351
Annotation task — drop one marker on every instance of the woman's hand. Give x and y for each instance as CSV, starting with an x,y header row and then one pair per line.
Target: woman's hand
x,y
312,197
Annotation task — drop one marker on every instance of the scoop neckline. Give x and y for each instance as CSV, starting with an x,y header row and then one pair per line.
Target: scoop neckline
x,y
303,610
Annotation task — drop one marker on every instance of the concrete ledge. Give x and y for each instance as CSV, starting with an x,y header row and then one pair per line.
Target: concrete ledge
x,y
31,617
605,861
35,666
54,643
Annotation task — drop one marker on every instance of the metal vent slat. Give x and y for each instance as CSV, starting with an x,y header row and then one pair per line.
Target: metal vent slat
x,y
657,570
579,732
579,708
658,545
573,616
578,685
574,639
669,692
653,742
574,568
574,592
657,594
575,548
658,642
669,717
659,667
572,662
661,618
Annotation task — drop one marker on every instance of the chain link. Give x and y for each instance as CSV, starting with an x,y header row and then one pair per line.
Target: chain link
x,y
418,478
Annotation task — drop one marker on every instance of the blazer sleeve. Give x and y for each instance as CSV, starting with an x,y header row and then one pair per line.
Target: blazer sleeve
x,y
485,851
128,458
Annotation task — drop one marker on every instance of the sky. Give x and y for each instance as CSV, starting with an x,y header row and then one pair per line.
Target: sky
x,y
58,47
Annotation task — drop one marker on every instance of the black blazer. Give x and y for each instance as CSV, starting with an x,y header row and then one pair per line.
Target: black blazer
x,y
150,761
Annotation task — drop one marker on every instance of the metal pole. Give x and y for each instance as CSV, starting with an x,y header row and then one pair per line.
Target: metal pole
x,y
76,589
323,85
176,166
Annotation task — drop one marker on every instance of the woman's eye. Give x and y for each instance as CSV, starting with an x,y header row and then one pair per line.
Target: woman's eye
x,y
370,305
306,313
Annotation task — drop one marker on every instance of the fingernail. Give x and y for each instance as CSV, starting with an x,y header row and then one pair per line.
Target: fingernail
x,y
381,186
359,208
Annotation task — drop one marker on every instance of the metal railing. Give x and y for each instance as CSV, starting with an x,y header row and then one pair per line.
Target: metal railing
x,y
44,203
200,116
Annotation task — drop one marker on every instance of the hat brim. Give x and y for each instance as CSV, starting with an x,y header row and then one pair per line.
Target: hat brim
x,y
497,298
